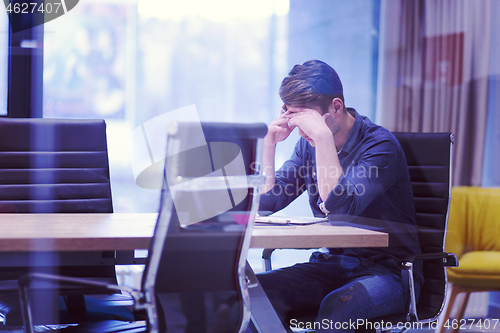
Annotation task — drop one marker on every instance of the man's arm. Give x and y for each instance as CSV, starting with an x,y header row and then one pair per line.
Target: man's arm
x,y
268,166
328,168
289,182
278,130
327,164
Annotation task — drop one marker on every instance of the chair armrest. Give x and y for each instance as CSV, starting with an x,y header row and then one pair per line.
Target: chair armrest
x,y
266,259
449,259
266,253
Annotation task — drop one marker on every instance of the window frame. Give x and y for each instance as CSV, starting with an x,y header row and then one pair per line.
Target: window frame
x,y
25,72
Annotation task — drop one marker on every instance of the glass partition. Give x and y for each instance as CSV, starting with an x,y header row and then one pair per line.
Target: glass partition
x,y
130,61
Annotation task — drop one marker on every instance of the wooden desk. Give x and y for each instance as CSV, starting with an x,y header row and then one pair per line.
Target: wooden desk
x,y
75,232
316,235
24,235
115,232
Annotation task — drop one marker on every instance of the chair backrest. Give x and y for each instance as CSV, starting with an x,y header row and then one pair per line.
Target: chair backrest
x,y
198,253
54,166
473,227
474,220
429,157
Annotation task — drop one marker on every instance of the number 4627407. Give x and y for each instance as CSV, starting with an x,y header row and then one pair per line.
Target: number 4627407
x,y
33,7
471,323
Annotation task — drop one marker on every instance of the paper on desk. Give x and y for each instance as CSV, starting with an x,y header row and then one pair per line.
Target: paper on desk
x,y
293,220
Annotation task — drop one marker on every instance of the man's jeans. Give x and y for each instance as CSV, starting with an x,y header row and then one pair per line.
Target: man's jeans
x,y
335,293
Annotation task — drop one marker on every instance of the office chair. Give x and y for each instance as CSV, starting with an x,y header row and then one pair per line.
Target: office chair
x,y
197,256
429,157
54,166
473,233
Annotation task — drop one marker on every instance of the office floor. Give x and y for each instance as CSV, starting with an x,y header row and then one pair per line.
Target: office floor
x,y
486,325
130,275
5,329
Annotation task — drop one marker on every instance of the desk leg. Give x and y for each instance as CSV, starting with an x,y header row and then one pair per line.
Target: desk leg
x,y
263,317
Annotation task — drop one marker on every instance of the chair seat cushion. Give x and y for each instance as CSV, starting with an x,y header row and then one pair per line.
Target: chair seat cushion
x,y
477,268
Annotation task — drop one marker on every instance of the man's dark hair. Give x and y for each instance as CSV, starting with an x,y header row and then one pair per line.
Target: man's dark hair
x,y
312,83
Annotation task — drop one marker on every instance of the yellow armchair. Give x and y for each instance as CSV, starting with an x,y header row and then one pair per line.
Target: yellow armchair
x,y
474,236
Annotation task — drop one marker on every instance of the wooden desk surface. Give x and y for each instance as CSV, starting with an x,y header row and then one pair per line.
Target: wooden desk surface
x,y
80,232
75,232
316,235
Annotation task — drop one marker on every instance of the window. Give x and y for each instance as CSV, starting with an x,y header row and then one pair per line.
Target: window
x,y
130,61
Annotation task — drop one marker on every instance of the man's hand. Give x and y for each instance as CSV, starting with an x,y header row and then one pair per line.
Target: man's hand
x,y
313,127
311,123
278,130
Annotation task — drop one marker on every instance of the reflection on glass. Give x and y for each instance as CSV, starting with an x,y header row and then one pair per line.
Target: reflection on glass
x,y
131,61
84,63
198,283
201,280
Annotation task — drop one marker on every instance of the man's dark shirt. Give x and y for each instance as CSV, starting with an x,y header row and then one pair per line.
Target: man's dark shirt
x,y
374,188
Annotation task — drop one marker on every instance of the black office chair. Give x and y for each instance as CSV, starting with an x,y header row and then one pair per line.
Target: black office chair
x,y
54,166
429,157
197,257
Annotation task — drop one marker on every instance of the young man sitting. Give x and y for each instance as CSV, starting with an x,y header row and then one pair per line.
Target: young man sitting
x,y
352,169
